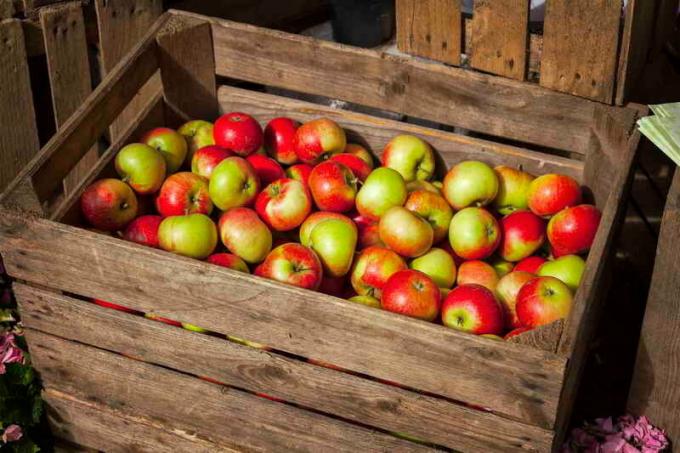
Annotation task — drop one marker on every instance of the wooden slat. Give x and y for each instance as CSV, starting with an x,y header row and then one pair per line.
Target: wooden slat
x,y
351,397
219,414
18,130
472,100
31,7
69,72
499,35
580,42
6,9
544,337
377,132
392,347
430,29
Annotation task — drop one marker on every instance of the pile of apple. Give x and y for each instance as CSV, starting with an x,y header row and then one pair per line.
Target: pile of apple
x,y
298,204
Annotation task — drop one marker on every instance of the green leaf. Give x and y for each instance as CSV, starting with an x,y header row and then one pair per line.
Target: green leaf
x,y
7,315
24,445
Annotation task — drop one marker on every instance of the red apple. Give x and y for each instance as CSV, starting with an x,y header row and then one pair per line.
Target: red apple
x,y
474,233
543,300
142,167
478,273
244,234
333,186
470,183
233,184
266,168
238,132
171,144
279,136
284,204
572,230
106,304
523,232
228,260
549,194
108,204
507,290
144,230
410,156
359,168
473,309
361,152
530,264
318,139
369,232
168,321
405,232
433,208
372,268
300,172
184,193
293,264
207,158
411,293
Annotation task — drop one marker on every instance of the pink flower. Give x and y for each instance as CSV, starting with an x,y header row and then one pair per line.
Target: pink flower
x,y
627,434
12,433
9,351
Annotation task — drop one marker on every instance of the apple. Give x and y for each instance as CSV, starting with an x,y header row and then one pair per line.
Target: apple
x,y
438,265
474,233
192,235
568,268
244,234
266,168
334,241
470,183
334,286
366,300
478,273
513,187
507,290
108,204
523,233
333,186
473,309
193,327
207,158
422,185
142,167
543,300
572,230
103,303
501,266
410,156
198,134
361,152
515,332
155,317
405,232
369,232
228,260
530,264
317,217
233,184
171,145
549,194
279,135
318,139
433,208
411,293
184,193
300,172
144,230
284,204
383,189
238,132
293,264
360,169
372,268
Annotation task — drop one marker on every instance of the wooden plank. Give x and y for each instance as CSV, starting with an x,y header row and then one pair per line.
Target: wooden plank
x,y
18,130
430,29
31,7
348,396
377,132
654,390
543,337
101,428
468,99
500,33
392,347
216,413
69,72
6,9
580,43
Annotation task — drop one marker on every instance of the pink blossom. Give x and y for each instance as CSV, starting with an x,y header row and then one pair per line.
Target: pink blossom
x,y
9,351
627,434
12,433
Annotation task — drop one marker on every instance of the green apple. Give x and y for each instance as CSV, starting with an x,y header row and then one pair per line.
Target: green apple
x,y
198,134
513,187
193,328
142,167
334,240
569,269
410,156
366,300
439,265
233,183
171,145
501,266
383,189
474,233
470,183
245,235
422,185
193,235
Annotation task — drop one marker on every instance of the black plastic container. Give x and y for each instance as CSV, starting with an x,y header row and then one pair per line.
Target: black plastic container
x,y
362,23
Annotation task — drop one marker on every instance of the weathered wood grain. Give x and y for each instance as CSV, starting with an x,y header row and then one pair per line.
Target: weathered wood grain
x,y
580,42
499,35
430,29
6,9
348,396
216,413
544,337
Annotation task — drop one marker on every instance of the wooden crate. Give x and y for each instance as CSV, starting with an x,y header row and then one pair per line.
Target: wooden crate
x,y
590,48
118,381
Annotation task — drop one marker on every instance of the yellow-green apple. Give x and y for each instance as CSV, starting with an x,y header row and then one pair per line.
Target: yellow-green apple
x,y
366,300
284,204
193,328
300,172
491,336
439,265
543,300
530,264
229,260
372,268
198,134
369,233
207,158
474,233
470,183
244,234
513,187
405,232
142,167
522,234
293,264
103,303
360,169
361,152
333,186
108,204
144,230
473,309
334,241
266,169
233,184
184,193
507,290
411,293
478,273
410,156
383,189
501,266
439,185
170,143
192,235
318,139
549,194
334,286
568,268
572,230
278,140
422,185
238,132
433,208
515,332
314,219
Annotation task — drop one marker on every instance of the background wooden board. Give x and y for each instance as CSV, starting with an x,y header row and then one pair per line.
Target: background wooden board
x,y
6,9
